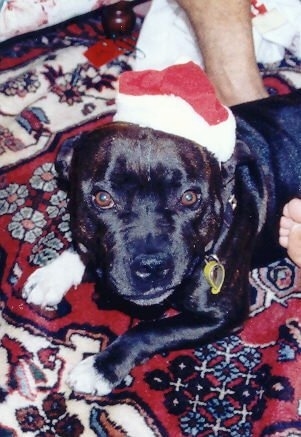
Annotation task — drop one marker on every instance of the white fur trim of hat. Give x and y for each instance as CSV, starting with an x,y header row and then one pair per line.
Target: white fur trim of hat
x,y
179,100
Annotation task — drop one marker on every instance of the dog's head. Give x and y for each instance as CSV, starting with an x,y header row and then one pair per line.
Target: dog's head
x,y
144,207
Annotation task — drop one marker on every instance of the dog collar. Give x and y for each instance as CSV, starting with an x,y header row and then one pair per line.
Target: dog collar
x,y
214,273
213,270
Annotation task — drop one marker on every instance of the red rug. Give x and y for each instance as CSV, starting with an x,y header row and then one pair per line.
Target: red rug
x,y
245,385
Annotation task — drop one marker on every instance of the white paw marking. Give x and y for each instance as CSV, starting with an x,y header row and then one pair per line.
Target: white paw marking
x,y
84,378
48,285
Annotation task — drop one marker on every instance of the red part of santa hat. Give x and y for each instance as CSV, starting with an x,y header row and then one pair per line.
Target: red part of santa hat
x,y
179,100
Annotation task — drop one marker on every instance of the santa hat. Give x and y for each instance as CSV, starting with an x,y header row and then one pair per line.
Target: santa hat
x,y
179,100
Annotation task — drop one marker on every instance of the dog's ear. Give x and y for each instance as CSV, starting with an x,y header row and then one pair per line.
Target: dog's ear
x,y
64,157
242,155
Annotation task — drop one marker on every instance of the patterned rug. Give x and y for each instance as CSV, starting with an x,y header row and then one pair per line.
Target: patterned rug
x,y
245,385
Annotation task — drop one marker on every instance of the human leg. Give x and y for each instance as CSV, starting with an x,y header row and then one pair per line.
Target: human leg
x,y
224,33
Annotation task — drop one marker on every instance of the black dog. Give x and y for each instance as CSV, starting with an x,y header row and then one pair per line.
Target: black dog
x,y
164,224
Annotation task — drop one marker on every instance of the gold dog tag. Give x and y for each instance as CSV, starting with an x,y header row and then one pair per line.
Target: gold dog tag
x,y
214,273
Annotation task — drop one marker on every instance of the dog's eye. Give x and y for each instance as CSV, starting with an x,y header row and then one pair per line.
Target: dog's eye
x,y
189,198
103,199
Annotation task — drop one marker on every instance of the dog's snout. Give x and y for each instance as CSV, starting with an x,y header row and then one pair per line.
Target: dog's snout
x,y
151,267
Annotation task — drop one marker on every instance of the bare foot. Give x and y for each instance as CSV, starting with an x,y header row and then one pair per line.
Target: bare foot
x,y
290,230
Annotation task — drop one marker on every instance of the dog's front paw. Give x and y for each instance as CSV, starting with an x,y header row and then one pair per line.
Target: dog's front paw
x,y
48,285
85,378
40,290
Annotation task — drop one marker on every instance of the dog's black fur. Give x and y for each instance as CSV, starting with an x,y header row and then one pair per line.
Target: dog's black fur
x,y
146,207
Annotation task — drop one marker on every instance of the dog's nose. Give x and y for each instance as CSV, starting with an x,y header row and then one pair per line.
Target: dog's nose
x,y
151,267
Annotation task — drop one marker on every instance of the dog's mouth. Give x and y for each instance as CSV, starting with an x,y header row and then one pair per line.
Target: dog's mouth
x,y
144,289
148,279
153,297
